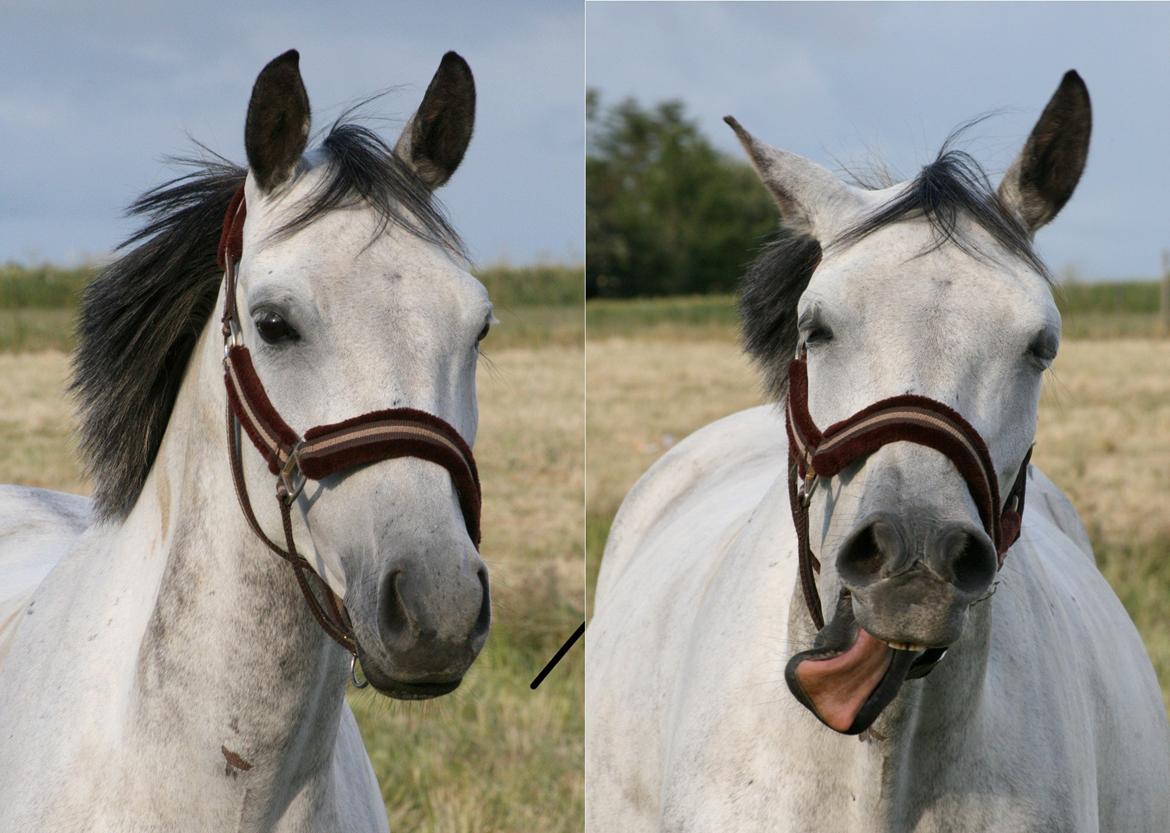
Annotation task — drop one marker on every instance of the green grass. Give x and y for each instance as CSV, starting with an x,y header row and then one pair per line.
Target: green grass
x,y
1127,309
494,732
537,285
42,286
1140,575
32,329
536,305
1118,297
691,315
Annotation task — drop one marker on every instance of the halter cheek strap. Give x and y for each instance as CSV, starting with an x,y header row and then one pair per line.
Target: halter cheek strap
x,y
814,454
324,450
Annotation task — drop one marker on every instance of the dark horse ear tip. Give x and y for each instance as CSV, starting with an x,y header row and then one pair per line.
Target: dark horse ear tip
x,y
1072,81
292,56
733,123
453,59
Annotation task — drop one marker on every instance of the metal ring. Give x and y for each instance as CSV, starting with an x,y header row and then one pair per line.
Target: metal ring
x,y
292,467
353,661
804,493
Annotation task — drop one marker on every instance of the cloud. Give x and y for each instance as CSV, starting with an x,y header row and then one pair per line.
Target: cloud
x,y
96,95
852,82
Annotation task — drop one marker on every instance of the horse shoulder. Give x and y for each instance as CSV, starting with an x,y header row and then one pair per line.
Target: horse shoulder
x,y
669,537
37,527
1102,700
691,473
1046,497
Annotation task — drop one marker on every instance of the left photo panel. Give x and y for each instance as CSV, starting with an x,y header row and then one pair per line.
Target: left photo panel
x,y
292,419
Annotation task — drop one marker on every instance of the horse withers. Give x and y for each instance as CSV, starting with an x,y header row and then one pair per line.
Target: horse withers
x,y
964,679
160,667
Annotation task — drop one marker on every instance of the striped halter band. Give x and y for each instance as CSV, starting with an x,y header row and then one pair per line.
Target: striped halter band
x,y
324,450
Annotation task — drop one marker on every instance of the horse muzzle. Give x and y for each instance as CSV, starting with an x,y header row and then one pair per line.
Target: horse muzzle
x,y
912,582
423,628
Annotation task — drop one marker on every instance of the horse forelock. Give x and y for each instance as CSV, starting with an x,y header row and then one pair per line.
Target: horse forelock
x,y
141,316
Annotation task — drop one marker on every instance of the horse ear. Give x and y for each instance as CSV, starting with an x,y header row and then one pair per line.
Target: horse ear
x,y
1046,172
277,127
436,137
812,200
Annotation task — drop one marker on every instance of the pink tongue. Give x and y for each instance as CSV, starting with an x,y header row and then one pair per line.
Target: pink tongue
x,y
838,687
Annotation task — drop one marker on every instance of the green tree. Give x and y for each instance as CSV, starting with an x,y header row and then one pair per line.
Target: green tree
x,y
666,213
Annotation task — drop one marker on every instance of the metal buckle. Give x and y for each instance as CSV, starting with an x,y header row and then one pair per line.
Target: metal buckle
x,y
288,488
804,493
231,339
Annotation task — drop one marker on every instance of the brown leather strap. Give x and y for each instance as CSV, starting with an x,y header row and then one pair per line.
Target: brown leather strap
x,y
808,563
337,626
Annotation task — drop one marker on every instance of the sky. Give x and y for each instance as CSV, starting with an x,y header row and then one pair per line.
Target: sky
x,y
845,84
95,95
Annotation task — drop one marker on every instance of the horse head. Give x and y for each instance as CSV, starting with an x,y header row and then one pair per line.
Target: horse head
x,y
353,298
924,292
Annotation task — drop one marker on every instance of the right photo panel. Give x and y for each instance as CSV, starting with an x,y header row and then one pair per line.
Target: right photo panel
x,y
878,417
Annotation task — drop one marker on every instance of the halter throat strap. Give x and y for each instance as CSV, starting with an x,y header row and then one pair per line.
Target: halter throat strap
x,y
325,449
816,454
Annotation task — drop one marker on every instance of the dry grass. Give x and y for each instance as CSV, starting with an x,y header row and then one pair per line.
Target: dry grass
x,y
495,756
1104,437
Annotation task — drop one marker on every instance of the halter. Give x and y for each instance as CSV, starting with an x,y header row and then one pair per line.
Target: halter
x,y
324,450
815,455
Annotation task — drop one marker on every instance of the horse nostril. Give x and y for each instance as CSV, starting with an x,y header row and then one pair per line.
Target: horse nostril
x,y
483,621
396,623
969,558
869,552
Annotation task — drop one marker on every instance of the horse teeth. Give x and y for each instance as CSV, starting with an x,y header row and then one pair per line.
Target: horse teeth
x,y
905,646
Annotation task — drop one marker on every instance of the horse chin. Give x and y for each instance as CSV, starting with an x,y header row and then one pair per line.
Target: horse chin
x,y
849,676
420,688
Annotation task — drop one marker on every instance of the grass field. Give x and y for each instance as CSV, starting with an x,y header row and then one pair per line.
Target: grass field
x,y
1104,433
1102,310
495,756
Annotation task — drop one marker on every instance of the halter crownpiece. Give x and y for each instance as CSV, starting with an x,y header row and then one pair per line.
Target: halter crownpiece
x,y
814,455
325,449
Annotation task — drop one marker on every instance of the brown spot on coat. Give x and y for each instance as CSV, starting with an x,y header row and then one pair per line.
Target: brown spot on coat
x,y
234,762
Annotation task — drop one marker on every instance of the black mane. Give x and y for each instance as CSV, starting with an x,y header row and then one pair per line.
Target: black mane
x,y
141,316
952,187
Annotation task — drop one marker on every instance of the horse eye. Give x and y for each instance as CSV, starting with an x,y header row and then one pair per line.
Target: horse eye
x,y
274,329
1042,349
487,328
819,334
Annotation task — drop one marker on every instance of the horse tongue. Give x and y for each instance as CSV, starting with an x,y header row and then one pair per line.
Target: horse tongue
x,y
838,687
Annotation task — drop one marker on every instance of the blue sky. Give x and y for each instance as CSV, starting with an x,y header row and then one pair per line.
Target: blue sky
x,y
94,95
843,83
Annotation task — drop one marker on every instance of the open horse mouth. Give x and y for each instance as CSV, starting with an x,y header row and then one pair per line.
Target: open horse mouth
x,y
850,676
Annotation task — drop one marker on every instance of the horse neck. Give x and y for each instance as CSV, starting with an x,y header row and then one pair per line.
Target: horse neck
x,y
231,662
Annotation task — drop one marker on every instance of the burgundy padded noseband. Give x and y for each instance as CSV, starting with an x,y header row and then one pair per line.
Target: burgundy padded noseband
x,y
815,454
325,449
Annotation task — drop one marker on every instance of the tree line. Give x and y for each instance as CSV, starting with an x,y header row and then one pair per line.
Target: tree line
x,y
666,212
